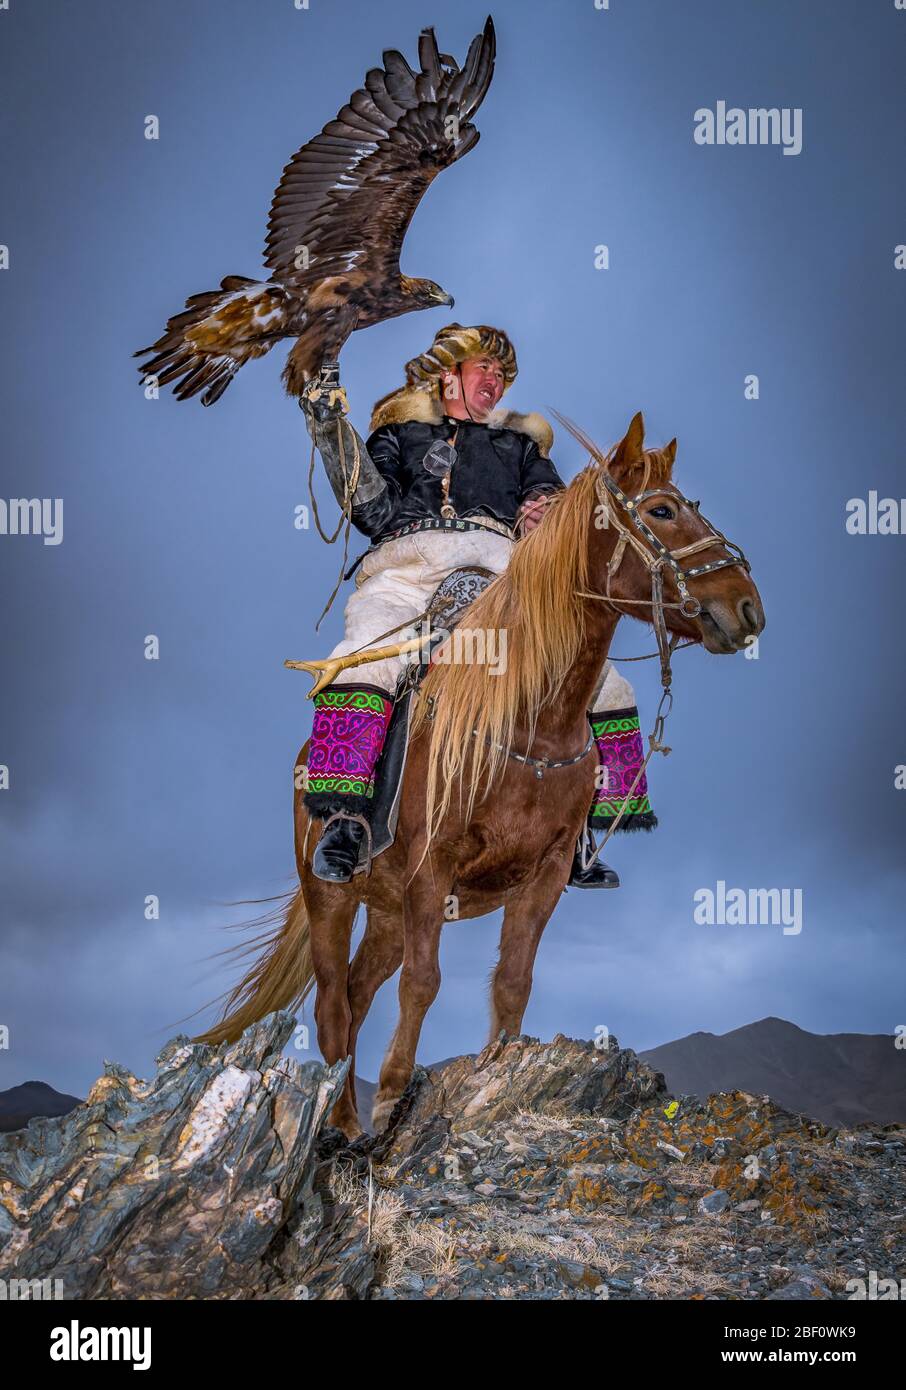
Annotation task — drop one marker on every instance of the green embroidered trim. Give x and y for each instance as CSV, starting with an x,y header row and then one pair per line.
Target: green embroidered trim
x,y
349,786
353,699
609,810
601,727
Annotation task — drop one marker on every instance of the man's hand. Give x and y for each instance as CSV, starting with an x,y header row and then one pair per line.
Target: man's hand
x,y
531,513
323,397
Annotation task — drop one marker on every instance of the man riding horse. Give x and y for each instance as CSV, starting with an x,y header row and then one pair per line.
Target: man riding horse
x,y
446,481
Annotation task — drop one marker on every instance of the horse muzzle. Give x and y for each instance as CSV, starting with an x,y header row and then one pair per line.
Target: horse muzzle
x,y
726,628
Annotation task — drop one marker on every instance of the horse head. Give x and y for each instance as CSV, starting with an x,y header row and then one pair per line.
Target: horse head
x,y
650,548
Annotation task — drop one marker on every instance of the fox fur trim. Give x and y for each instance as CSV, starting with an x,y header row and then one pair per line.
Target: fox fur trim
x,y
423,403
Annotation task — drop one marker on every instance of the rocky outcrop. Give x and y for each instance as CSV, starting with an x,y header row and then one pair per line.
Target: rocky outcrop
x,y
202,1183
532,1171
540,1171
565,1076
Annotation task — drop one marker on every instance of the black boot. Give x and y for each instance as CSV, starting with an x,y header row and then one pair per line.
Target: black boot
x,y
337,851
598,875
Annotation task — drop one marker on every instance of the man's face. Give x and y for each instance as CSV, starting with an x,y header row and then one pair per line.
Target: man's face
x,y
480,380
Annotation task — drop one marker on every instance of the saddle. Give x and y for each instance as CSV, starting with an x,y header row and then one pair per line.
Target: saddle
x,y
450,600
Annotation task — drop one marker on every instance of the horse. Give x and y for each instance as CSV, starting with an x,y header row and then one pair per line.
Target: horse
x,y
478,827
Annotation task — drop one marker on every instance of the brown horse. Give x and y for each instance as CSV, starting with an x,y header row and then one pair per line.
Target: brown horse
x,y
478,828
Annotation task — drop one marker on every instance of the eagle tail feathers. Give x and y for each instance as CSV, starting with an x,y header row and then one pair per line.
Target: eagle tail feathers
x,y
203,347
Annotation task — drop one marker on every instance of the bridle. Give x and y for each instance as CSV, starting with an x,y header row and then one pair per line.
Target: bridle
x,y
656,559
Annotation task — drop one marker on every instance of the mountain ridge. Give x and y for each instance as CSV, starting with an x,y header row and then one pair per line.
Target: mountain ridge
x,y
838,1078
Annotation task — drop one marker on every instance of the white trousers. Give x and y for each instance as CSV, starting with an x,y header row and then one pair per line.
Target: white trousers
x,y
395,583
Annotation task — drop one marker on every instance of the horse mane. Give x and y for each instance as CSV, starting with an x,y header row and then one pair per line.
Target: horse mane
x,y
474,712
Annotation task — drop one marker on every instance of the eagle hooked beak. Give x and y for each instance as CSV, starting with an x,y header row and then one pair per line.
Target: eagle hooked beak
x,y
448,300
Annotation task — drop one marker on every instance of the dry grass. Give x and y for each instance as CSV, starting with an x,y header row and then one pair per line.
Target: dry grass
x,y
539,1123
678,1258
695,1172
347,1187
671,1262
416,1247
678,1281
839,1159
407,1245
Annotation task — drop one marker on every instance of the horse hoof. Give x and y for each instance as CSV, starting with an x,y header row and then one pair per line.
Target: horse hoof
x,y
381,1111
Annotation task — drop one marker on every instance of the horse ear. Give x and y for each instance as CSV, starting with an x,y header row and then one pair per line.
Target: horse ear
x,y
670,453
631,446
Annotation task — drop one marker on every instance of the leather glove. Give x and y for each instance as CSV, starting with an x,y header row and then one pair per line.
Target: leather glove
x,y
323,397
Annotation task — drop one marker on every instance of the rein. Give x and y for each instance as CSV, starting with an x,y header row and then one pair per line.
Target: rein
x,y
350,483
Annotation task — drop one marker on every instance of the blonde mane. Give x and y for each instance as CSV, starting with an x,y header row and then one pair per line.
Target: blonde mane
x,y
473,711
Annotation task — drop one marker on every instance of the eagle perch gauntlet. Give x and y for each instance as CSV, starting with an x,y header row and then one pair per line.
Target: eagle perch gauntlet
x,y
324,405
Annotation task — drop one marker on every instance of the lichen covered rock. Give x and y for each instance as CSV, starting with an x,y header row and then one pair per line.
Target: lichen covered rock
x,y
200,1183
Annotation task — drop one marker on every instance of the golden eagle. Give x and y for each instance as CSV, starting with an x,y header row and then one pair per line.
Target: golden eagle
x,y
336,228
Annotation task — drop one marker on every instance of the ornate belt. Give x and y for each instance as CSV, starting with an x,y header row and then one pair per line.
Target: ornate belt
x,y
432,523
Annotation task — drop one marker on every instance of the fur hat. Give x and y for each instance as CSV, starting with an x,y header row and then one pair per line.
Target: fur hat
x,y
420,399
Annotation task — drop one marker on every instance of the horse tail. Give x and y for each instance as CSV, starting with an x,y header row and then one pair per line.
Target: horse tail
x,y
281,976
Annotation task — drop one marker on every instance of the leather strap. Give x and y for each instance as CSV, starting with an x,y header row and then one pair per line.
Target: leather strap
x,y
541,765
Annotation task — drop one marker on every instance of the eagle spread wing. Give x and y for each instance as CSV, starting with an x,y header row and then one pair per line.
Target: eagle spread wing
x,y
336,227
349,194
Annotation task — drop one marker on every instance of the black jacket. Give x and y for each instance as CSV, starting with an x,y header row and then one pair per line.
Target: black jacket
x,y
496,470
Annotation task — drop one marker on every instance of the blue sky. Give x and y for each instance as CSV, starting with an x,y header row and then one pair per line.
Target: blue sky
x,y
172,777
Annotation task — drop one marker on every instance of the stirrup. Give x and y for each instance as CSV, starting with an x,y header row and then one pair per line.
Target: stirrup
x,y
597,875
337,851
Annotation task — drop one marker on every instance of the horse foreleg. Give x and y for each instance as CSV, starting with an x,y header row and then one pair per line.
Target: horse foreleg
x,y
378,956
419,983
524,919
332,912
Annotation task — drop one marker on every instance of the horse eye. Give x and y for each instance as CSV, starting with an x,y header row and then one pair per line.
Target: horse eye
x,y
663,512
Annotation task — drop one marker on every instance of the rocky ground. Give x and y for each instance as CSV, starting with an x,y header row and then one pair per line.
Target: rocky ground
x,y
534,1171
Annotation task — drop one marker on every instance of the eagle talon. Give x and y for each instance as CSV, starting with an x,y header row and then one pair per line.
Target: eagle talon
x,y
323,396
